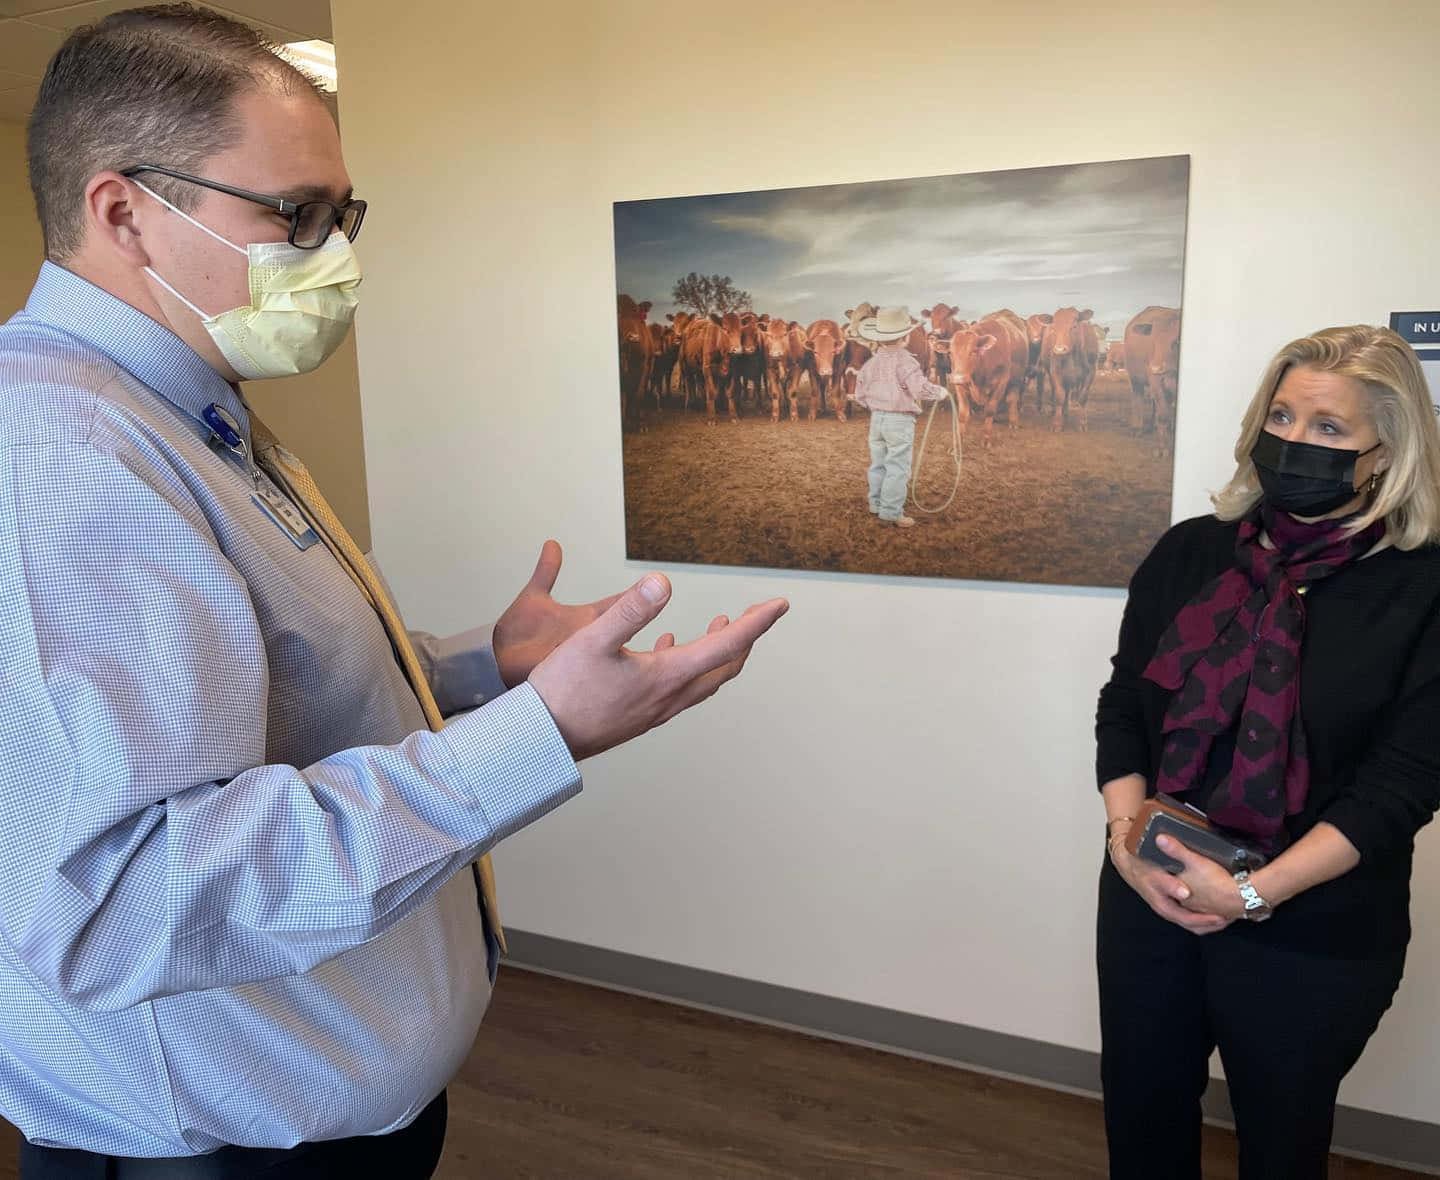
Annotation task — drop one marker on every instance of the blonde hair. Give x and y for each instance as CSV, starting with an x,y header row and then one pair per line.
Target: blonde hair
x,y
1407,496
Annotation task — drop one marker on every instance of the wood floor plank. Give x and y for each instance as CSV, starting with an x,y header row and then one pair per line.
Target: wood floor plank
x,y
569,1082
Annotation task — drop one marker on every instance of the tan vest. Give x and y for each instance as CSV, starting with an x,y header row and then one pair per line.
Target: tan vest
x,y
291,476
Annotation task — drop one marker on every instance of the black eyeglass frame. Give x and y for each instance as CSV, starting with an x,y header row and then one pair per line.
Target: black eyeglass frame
x,y
292,209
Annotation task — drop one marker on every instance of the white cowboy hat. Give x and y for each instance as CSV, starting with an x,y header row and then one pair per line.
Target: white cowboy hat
x,y
886,325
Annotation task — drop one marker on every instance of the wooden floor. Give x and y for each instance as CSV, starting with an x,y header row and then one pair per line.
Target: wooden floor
x,y
575,1082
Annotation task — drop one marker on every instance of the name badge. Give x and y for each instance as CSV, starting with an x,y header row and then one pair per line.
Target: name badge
x,y
286,516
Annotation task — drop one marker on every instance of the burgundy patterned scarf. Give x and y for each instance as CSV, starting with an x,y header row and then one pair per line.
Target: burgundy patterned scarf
x,y
1232,658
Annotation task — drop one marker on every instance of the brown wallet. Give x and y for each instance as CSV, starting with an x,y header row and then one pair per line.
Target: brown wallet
x,y
1159,816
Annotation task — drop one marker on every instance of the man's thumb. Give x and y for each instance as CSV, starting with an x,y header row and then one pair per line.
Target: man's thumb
x,y
547,569
633,610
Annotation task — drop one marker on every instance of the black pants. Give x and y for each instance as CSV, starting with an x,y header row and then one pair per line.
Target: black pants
x,y
1289,1027
408,1154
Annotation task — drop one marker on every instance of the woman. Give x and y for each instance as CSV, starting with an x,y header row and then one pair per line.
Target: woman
x,y
1278,668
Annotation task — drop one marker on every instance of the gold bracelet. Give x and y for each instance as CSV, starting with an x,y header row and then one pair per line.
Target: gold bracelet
x,y
1119,819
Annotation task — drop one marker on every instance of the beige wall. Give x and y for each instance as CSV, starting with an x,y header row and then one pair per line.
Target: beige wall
x,y
21,248
943,862
318,415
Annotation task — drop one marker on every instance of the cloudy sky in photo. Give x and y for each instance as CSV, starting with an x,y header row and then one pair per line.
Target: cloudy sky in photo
x,y
1108,236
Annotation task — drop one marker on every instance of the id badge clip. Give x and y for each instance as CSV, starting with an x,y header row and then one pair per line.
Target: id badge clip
x,y
225,434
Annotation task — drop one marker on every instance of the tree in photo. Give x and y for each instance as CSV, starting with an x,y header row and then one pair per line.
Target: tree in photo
x,y
704,294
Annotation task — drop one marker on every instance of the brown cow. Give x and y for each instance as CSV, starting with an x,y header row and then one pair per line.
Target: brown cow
x,y
784,345
918,342
824,343
637,354
942,319
747,357
705,363
1070,352
667,352
1023,327
988,364
680,321
851,360
942,326
856,352
1152,360
1036,373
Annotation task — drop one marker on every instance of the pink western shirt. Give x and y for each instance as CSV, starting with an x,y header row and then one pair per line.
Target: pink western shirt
x,y
891,380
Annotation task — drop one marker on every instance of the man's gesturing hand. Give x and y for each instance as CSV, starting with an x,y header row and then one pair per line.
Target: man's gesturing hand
x,y
602,693
535,624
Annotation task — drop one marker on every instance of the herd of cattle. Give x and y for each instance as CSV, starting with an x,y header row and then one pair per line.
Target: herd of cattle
x,y
992,363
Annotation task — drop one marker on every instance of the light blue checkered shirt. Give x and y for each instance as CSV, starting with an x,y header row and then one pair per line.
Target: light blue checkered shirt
x,y
232,905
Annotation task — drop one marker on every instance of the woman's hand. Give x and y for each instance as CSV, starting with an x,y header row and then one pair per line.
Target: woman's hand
x,y
1173,898
1212,889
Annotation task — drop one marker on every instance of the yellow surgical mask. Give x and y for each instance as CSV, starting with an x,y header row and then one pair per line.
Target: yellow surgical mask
x,y
302,303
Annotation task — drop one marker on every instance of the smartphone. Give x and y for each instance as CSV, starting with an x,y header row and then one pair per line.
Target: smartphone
x,y
1197,834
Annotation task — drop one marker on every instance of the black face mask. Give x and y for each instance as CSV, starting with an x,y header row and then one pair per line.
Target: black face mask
x,y
1303,479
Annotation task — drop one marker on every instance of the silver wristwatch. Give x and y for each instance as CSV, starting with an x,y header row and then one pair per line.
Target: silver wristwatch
x,y
1257,909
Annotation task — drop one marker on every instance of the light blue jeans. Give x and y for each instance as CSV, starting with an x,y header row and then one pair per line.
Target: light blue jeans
x,y
892,438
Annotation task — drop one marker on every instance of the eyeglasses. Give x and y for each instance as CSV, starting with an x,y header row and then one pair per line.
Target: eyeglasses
x,y
311,222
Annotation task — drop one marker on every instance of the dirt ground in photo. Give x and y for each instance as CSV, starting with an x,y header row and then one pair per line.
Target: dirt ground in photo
x,y
1067,508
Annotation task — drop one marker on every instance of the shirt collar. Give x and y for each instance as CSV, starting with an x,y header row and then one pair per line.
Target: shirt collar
x,y
149,352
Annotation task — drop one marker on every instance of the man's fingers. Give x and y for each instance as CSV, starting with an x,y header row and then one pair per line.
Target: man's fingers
x,y
665,642
726,642
631,612
547,569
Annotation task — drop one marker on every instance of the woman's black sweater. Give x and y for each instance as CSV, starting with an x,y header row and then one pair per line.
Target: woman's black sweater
x,y
1370,702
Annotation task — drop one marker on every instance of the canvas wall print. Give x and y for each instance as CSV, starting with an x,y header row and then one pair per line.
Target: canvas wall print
x,y
760,339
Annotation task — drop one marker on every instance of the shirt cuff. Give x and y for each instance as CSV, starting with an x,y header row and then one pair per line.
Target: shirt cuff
x,y
462,670
513,760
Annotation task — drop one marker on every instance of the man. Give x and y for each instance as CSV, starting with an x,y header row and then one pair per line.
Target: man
x,y
239,930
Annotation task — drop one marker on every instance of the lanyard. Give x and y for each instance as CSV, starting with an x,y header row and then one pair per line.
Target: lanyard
x,y
268,498
226,431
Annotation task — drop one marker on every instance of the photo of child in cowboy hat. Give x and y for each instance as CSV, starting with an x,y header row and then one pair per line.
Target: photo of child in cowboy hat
x,y
892,386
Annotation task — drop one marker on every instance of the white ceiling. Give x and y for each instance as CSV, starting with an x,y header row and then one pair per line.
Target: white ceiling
x,y
31,31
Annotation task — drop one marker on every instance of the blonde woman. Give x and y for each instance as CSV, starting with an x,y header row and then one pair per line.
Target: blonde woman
x,y
1278,668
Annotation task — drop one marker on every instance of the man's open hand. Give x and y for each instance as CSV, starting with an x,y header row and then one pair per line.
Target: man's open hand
x,y
602,693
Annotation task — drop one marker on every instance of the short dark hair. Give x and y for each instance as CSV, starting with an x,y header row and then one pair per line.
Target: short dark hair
x,y
145,86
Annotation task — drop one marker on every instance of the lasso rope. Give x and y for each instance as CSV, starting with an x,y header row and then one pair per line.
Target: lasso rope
x,y
920,455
